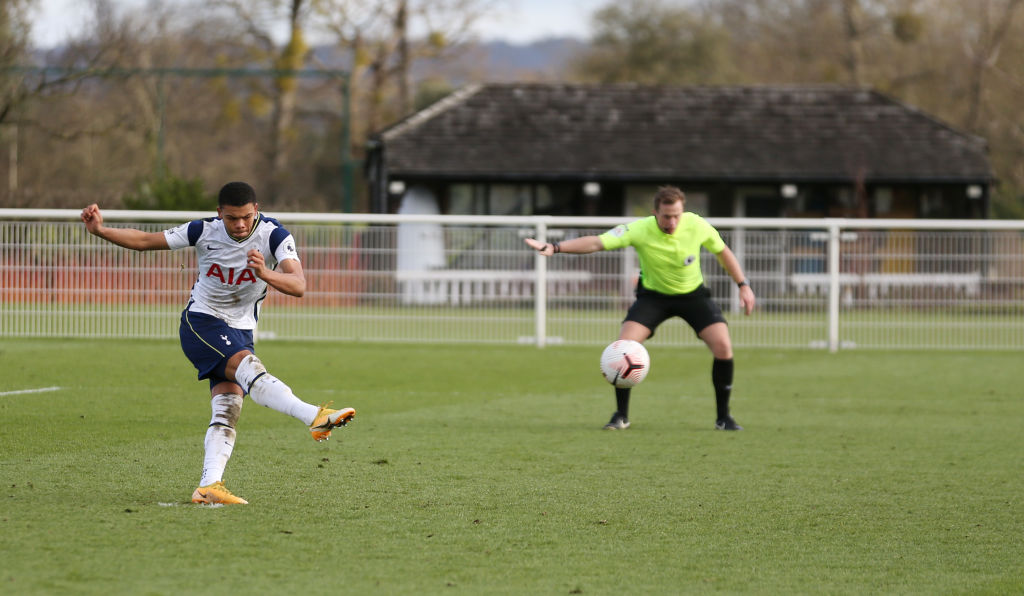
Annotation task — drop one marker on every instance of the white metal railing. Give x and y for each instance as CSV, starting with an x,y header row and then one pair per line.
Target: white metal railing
x,y
826,283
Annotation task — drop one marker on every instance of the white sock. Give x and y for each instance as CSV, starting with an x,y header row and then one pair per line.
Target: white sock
x,y
268,391
220,436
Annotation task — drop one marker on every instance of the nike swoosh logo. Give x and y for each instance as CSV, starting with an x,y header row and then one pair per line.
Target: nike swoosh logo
x,y
210,248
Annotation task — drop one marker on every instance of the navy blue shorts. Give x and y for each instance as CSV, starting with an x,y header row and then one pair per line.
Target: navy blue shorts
x,y
208,342
697,308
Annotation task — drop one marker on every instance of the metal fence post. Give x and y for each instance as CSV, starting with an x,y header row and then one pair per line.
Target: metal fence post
x,y
739,248
540,284
833,286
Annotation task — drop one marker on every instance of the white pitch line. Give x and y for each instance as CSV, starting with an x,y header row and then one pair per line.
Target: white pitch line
x,y
40,390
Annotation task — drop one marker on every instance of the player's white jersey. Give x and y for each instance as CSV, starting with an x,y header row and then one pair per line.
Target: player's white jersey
x,y
227,288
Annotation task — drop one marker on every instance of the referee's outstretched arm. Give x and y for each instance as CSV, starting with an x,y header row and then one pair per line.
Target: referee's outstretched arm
x,y
580,246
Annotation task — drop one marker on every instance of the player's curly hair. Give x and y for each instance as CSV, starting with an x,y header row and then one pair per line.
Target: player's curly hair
x,y
236,194
667,195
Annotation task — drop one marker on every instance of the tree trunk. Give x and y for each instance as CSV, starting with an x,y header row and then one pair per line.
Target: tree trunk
x,y
854,41
984,57
402,33
292,58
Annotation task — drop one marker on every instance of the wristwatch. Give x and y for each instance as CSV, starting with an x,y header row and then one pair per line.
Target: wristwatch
x,y
740,284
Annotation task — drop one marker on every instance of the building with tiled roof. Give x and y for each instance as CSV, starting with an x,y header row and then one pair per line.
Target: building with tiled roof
x,y
766,151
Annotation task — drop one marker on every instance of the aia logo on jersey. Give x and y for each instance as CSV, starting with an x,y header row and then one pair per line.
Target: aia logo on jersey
x,y
245,275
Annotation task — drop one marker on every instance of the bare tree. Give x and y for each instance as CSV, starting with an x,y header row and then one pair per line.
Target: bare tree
x,y
20,83
377,34
259,19
30,95
984,52
852,28
14,43
653,42
403,62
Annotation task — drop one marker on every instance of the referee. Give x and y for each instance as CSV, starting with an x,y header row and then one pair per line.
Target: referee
x,y
668,244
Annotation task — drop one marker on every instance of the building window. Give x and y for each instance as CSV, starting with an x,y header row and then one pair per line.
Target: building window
x,y
467,199
510,199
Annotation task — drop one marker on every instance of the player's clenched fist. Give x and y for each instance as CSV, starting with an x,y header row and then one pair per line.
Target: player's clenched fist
x,y
256,262
92,218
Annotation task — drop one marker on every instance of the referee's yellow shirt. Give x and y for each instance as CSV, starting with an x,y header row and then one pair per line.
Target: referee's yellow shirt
x,y
669,263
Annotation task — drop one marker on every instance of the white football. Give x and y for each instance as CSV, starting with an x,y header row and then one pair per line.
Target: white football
x,y
624,363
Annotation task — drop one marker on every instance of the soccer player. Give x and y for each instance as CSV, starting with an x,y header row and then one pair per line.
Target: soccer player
x,y
239,254
671,284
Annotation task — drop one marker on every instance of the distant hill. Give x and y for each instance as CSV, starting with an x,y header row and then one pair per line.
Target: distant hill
x,y
492,61
553,54
489,61
499,61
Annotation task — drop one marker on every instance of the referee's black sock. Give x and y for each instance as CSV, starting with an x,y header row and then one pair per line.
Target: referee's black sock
x,y
721,378
622,401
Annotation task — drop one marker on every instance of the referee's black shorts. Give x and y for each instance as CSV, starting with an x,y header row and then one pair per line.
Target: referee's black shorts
x,y
696,308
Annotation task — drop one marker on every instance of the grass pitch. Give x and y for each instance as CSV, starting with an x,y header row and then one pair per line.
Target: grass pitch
x,y
483,470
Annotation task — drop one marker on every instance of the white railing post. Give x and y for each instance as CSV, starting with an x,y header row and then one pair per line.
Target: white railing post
x,y
739,248
540,284
833,286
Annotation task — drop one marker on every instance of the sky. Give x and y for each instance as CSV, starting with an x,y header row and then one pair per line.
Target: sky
x,y
514,21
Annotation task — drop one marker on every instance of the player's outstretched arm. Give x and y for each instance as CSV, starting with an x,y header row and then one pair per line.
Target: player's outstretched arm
x,y
579,246
126,237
